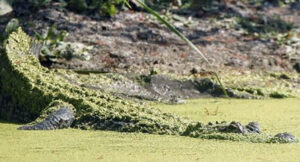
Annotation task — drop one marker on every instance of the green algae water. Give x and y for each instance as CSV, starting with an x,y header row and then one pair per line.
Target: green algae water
x,y
274,115
78,145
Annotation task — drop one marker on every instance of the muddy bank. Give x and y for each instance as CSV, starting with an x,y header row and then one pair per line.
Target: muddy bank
x,y
134,42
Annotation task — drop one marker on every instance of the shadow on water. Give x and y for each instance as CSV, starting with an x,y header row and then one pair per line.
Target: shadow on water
x,y
10,122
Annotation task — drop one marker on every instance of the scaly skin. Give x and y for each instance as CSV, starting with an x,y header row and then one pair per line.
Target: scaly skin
x,y
27,88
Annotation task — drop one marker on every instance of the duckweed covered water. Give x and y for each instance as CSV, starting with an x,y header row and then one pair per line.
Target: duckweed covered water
x,y
77,145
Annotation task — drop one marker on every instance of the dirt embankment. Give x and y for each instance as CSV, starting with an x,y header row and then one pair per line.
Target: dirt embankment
x,y
136,42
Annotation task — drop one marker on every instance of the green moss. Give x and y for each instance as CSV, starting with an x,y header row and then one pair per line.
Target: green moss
x,y
27,88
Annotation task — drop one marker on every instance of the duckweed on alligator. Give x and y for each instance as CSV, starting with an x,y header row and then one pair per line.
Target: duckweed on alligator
x,y
29,91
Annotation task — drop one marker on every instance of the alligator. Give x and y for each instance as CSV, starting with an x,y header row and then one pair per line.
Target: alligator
x,y
30,92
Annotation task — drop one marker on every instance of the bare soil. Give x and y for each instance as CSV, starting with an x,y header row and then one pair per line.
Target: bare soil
x,y
134,42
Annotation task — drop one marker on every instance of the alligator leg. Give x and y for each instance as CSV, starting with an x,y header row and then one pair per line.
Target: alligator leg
x,y
58,115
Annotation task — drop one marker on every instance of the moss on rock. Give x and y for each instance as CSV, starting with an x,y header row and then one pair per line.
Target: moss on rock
x,y
27,88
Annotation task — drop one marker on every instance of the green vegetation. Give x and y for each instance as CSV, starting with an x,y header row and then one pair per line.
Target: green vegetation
x,y
40,3
268,28
11,26
265,25
104,7
53,46
78,145
205,5
51,40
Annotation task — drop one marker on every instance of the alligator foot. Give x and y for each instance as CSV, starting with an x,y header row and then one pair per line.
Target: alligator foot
x,y
58,115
